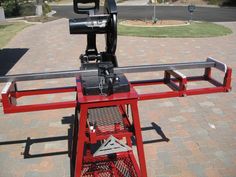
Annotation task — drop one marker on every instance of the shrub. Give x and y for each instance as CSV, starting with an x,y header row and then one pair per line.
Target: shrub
x,y
46,8
229,3
15,8
27,9
215,2
11,8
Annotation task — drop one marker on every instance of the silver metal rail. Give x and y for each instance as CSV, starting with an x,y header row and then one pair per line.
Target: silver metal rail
x,y
127,69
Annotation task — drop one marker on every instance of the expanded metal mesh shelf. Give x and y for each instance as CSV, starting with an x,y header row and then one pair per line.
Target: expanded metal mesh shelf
x,y
122,166
106,119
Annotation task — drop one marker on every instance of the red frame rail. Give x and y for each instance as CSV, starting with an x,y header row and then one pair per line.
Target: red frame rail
x,y
10,94
87,165
182,88
175,80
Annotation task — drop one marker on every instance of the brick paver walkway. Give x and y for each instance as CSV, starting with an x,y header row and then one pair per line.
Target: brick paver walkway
x,y
201,129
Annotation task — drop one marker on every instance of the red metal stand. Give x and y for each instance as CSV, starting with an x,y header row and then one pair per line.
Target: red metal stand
x,y
118,102
10,94
109,116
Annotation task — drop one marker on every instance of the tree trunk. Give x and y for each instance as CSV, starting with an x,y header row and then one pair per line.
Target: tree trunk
x,y
39,2
2,14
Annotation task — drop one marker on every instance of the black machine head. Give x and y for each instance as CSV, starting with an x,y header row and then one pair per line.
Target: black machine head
x,y
86,6
105,82
105,23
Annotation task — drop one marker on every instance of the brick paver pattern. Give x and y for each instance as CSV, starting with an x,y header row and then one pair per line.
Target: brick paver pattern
x,y
201,129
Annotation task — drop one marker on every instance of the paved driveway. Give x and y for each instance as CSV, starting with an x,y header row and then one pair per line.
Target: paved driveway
x,y
201,129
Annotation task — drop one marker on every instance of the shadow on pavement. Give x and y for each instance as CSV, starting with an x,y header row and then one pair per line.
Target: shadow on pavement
x,y
29,142
70,120
9,57
158,130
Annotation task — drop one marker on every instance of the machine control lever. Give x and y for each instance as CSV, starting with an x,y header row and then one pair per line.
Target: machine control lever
x,y
107,76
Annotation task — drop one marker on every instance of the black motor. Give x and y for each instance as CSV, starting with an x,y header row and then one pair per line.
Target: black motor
x,y
99,23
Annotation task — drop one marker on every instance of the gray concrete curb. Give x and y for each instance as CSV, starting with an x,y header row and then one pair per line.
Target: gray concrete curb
x,y
22,19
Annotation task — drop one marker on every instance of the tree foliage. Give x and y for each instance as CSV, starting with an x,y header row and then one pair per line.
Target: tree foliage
x,y
229,3
11,8
14,8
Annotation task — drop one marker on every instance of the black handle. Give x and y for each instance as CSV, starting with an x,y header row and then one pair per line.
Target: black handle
x,y
95,24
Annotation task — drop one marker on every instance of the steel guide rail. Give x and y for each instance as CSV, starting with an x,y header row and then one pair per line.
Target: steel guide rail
x,y
176,81
127,69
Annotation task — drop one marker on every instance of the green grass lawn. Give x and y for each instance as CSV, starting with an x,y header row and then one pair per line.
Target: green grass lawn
x,y
194,30
203,29
9,30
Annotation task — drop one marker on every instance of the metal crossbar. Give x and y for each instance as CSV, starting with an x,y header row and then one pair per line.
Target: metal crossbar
x,y
127,69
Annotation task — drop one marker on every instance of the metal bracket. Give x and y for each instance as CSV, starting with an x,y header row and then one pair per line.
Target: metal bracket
x,y
219,65
111,146
6,88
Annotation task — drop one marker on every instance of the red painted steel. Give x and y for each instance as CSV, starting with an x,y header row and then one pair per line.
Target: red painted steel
x,y
119,133
11,107
19,94
182,89
82,135
109,168
98,101
38,107
227,79
179,90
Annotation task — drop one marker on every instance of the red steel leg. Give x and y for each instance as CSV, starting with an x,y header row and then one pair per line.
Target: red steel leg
x,y
139,140
81,140
227,79
74,140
